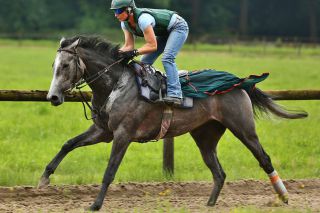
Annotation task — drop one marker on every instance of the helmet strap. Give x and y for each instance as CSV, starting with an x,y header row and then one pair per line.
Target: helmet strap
x,y
129,11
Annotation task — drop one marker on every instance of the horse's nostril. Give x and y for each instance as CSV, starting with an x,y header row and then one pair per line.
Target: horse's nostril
x,y
54,98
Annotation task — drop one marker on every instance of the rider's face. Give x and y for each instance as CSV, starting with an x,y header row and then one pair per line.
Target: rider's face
x,y
122,16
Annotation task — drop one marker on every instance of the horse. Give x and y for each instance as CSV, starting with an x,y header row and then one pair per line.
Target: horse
x,y
122,116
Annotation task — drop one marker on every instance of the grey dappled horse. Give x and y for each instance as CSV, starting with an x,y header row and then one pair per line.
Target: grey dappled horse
x,y
122,116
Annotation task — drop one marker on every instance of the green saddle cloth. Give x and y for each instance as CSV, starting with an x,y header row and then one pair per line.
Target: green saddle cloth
x,y
201,84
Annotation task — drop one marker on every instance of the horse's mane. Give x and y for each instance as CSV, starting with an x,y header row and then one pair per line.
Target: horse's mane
x,y
95,43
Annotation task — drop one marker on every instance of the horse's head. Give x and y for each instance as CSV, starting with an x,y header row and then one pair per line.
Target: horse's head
x,y
68,69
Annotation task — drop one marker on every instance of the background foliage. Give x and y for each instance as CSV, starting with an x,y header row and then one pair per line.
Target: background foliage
x,y
208,18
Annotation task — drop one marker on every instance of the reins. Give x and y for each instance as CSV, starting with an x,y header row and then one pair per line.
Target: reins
x,y
82,82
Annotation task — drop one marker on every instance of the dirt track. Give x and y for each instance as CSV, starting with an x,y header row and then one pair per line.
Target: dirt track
x,y
163,197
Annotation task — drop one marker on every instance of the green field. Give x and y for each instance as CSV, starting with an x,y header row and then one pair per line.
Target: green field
x,y
32,133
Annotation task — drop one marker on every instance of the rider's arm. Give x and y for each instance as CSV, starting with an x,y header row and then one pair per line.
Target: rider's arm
x,y
146,23
129,41
151,41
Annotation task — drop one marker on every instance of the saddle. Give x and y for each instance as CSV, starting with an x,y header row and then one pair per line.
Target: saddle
x,y
152,84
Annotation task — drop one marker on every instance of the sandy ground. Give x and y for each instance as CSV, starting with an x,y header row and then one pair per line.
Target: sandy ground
x,y
164,197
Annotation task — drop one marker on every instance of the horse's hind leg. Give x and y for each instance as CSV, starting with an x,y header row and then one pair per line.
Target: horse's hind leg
x,y
207,137
92,136
252,143
243,127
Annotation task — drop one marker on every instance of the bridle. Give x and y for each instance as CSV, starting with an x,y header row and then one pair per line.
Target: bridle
x,y
82,82
74,53
85,82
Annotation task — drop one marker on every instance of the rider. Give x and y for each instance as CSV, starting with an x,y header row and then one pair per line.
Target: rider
x,y
164,32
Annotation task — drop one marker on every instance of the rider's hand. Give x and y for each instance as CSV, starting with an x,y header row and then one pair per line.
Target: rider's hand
x,y
128,55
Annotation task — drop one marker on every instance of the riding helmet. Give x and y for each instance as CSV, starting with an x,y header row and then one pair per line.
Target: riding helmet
x,y
116,4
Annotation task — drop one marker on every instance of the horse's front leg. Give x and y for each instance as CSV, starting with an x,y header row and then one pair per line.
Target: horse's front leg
x,y
92,136
120,144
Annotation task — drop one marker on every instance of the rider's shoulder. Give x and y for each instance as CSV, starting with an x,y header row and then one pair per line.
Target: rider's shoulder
x,y
145,20
146,15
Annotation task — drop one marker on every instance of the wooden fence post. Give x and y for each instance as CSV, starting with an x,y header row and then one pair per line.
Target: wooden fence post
x,y
168,156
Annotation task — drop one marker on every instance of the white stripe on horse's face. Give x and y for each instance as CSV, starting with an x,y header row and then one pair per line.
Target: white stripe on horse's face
x,y
56,79
55,94
57,61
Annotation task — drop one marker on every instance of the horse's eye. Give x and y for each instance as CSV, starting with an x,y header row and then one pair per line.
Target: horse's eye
x,y
65,66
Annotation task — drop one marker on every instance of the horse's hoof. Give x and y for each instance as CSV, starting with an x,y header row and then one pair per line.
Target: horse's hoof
x,y
93,208
44,182
211,203
284,198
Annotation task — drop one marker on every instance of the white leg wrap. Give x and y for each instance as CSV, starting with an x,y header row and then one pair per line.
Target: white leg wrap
x,y
279,186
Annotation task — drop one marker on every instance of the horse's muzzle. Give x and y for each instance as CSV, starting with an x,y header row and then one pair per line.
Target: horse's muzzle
x,y
55,100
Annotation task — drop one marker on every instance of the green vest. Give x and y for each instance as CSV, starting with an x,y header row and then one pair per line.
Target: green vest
x,y
162,18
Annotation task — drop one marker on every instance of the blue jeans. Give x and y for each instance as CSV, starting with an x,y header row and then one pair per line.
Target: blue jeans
x,y
170,46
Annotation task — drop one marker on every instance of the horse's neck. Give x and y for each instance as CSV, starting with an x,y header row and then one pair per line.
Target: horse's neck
x,y
94,64
103,85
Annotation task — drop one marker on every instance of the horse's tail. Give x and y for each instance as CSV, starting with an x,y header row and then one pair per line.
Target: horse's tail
x,y
264,103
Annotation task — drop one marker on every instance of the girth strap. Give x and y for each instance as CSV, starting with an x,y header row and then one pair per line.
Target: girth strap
x,y
166,122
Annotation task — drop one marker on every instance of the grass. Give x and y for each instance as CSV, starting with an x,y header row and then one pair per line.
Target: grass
x,y
32,133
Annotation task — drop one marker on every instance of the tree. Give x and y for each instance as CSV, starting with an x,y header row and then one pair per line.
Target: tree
x,y
218,18
312,7
195,4
278,18
243,22
160,4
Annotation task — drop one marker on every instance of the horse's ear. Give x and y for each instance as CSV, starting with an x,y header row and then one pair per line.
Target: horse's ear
x,y
62,40
74,44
